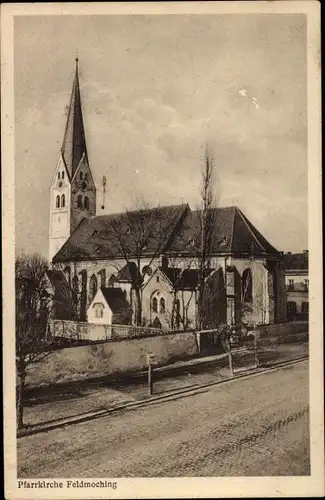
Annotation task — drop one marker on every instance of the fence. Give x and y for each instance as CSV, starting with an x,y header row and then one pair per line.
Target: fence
x,y
82,331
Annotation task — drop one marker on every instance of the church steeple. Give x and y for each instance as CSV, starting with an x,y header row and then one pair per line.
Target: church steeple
x,y
74,142
73,191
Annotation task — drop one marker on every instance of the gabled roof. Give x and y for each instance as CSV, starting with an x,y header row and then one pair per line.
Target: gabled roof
x,y
128,274
116,300
182,279
100,237
74,142
62,290
296,261
233,234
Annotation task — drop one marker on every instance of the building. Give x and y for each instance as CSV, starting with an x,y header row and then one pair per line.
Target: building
x,y
297,285
151,255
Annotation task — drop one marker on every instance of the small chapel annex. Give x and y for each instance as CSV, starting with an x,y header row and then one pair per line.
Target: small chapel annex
x,y
95,279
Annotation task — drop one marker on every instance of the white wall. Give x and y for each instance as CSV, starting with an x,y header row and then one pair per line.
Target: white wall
x,y
107,312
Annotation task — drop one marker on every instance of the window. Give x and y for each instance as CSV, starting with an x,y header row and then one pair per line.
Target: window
x,y
157,279
59,175
154,305
102,277
305,307
247,285
81,176
162,306
290,286
86,203
291,309
63,201
93,285
99,310
306,282
86,176
57,201
62,175
79,201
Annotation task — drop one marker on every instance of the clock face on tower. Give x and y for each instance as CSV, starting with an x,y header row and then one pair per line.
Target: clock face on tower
x,y
60,184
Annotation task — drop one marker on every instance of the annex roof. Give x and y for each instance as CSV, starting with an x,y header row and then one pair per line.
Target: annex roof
x,y
116,299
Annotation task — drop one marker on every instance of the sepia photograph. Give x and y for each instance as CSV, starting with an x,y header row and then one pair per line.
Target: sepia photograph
x,y
164,276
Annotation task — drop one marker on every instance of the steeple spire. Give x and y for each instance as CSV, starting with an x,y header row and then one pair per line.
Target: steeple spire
x,y
74,142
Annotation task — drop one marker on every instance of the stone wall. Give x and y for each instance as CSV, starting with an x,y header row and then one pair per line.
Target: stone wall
x,y
110,358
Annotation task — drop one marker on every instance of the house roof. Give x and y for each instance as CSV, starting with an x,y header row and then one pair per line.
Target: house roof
x,y
147,232
233,234
295,261
115,298
182,279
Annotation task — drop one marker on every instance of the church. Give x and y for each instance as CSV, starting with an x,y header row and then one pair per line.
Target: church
x,y
141,267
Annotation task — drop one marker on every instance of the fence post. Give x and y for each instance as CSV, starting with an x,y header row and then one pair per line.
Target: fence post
x,y
257,361
231,366
150,358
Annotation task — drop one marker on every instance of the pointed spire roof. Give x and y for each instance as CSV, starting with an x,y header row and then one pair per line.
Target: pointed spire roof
x,y
74,142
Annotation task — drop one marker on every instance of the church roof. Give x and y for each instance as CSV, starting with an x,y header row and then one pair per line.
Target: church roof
x,y
74,142
172,230
141,232
233,234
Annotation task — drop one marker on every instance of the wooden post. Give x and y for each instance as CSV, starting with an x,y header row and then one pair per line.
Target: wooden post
x,y
257,362
231,367
150,358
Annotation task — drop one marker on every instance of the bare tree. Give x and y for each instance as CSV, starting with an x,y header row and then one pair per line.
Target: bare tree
x,y
207,222
33,304
140,236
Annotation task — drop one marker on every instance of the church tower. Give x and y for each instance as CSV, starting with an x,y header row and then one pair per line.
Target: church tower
x,y
73,191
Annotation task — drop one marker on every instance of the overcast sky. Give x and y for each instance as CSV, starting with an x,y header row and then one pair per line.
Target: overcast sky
x,y
155,90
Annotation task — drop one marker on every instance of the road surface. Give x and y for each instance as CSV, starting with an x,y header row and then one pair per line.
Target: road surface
x,y
252,427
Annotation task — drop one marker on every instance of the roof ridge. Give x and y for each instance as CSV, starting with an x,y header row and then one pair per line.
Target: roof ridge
x,y
233,227
243,217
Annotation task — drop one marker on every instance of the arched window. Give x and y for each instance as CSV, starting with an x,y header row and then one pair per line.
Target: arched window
x,y
62,174
75,284
162,305
79,201
154,305
67,274
99,309
86,176
57,201
93,285
102,277
86,203
63,201
81,175
247,285
59,175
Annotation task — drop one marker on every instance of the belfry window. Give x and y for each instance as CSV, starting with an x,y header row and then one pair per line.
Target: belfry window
x,y
63,201
79,201
86,203
62,174
81,175
59,175
57,201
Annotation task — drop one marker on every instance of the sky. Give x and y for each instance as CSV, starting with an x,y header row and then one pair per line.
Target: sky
x,y
156,90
